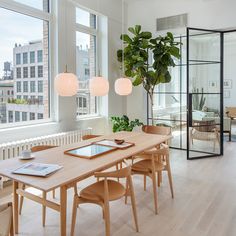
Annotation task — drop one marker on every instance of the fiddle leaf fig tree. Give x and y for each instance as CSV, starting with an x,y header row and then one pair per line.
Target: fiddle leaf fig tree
x,y
135,59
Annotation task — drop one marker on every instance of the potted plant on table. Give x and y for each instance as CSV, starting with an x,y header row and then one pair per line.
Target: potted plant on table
x,y
135,58
123,123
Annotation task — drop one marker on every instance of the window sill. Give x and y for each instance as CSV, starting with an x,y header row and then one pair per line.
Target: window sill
x,y
29,124
90,117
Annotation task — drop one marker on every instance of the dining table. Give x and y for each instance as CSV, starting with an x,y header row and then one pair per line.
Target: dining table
x,y
74,169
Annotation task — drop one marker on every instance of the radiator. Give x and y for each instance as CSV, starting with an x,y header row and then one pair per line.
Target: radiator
x,y
13,149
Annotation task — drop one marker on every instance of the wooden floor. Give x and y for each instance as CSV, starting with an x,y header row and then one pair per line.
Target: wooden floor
x,y
204,204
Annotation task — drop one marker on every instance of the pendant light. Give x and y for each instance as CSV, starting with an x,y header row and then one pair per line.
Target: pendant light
x,y
123,85
66,84
98,85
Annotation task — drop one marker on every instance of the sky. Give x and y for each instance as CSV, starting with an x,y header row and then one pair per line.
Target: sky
x,y
20,29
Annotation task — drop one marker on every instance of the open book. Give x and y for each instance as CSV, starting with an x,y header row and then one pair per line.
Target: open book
x,y
37,169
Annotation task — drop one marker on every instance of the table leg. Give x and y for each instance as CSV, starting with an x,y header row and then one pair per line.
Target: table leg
x,y
15,206
63,205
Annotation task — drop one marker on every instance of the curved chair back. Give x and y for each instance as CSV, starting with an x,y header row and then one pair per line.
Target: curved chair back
x,y
41,148
151,129
89,136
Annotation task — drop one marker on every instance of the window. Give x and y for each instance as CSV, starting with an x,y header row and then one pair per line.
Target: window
x,y
25,58
40,71
18,73
8,92
32,116
38,4
10,116
25,72
32,86
18,87
32,57
32,72
25,86
12,92
18,58
40,55
24,116
17,116
25,42
86,71
86,57
40,86
85,18
40,98
40,116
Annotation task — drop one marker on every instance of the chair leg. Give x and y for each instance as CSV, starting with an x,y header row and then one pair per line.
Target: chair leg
x,y
107,217
133,203
117,168
11,227
154,184
145,182
159,178
21,200
170,181
74,212
126,194
44,209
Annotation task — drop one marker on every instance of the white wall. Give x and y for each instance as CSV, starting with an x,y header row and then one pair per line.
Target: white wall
x,y
64,109
208,14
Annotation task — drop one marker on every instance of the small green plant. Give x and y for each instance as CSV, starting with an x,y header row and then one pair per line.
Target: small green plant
x,y
123,123
198,99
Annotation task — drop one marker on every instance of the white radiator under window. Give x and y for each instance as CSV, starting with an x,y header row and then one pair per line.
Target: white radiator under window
x,y
13,149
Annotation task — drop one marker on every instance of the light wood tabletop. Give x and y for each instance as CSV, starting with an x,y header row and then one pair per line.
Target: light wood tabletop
x,y
74,169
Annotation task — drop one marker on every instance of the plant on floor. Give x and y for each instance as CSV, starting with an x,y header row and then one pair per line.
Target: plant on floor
x,y
198,99
123,123
136,59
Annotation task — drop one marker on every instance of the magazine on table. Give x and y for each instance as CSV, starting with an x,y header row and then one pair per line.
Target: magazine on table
x,y
37,169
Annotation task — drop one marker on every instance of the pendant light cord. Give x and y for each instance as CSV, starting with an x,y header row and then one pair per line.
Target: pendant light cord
x,y
122,29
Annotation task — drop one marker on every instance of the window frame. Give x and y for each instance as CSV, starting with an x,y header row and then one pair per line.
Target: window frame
x,y
48,17
94,32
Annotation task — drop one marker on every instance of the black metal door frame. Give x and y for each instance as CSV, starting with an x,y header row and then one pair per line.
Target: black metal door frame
x,y
189,96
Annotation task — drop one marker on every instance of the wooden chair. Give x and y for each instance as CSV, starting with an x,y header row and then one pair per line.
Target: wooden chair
x,y
6,220
154,161
89,136
38,149
104,191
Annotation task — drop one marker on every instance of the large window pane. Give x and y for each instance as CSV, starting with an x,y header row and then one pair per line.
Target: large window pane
x,y
85,68
25,40
85,18
39,4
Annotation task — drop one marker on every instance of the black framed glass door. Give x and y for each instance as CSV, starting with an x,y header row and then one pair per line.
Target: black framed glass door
x,y
204,93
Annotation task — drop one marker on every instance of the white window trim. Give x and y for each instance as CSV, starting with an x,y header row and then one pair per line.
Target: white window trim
x,y
95,32
45,16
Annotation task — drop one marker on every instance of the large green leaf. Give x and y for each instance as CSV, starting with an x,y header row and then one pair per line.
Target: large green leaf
x,y
137,80
137,29
126,38
131,30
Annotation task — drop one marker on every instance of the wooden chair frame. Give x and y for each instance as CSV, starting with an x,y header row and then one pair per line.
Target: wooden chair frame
x,y
125,172
44,194
159,158
4,207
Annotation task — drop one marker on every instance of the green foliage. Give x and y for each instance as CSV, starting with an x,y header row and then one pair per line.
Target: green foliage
x,y
17,101
123,123
136,57
198,99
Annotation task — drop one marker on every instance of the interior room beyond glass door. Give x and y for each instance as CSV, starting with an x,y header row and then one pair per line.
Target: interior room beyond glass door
x,y
205,95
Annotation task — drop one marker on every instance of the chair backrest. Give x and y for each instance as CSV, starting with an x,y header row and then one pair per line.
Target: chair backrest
x,y
41,148
124,172
231,111
89,136
6,219
151,129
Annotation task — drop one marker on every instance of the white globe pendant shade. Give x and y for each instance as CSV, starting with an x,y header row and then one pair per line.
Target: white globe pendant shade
x,y
66,84
98,86
123,86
